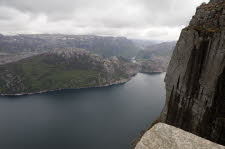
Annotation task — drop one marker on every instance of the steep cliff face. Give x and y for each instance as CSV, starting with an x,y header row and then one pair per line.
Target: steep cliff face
x,y
195,80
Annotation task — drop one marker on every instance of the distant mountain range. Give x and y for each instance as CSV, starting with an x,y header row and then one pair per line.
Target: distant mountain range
x,y
142,44
43,62
161,49
155,58
104,46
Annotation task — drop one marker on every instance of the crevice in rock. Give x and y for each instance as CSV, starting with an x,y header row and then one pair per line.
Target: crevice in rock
x,y
195,67
178,83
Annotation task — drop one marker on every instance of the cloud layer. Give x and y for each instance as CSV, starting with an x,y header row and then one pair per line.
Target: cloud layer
x,y
147,19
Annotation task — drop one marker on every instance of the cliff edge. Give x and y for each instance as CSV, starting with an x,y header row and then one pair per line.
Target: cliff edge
x,y
163,136
195,79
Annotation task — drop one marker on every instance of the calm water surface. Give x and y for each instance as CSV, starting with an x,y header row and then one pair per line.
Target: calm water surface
x,y
98,118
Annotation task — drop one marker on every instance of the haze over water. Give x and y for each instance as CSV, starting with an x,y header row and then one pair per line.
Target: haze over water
x,y
97,118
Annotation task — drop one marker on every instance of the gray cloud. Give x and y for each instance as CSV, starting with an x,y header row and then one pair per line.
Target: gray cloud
x,y
153,19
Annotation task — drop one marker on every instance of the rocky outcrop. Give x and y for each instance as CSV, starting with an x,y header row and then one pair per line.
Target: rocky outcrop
x,y
195,80
163,136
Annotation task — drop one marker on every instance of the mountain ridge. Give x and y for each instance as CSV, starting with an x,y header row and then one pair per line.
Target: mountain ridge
x,y
103,45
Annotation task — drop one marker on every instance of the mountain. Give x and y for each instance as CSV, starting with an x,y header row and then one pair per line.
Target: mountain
x,y
63,68
195,80
104,46
155,58
142,43
163,49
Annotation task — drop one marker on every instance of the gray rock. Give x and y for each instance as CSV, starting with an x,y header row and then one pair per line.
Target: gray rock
x,y
195,79
163,136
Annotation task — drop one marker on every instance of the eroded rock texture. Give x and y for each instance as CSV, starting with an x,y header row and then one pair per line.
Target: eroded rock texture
x,y
163,136
195,80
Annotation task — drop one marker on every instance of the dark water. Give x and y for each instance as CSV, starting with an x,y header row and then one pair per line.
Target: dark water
x,y
99,118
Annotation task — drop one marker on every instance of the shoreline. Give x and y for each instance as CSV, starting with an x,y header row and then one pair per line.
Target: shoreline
x,y
122,81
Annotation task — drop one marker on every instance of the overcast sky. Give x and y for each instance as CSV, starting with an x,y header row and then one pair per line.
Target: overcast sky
x,y
144,19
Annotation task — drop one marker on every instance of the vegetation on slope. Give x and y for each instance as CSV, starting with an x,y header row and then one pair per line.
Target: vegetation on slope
x,y
51,71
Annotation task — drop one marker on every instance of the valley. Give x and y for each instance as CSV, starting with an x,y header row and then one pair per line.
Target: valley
x,y
40,63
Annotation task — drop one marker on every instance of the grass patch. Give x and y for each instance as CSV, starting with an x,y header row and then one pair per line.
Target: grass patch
x,y
210,30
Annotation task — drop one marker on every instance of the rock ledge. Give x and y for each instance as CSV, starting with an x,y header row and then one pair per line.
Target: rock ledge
x,y
163,136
